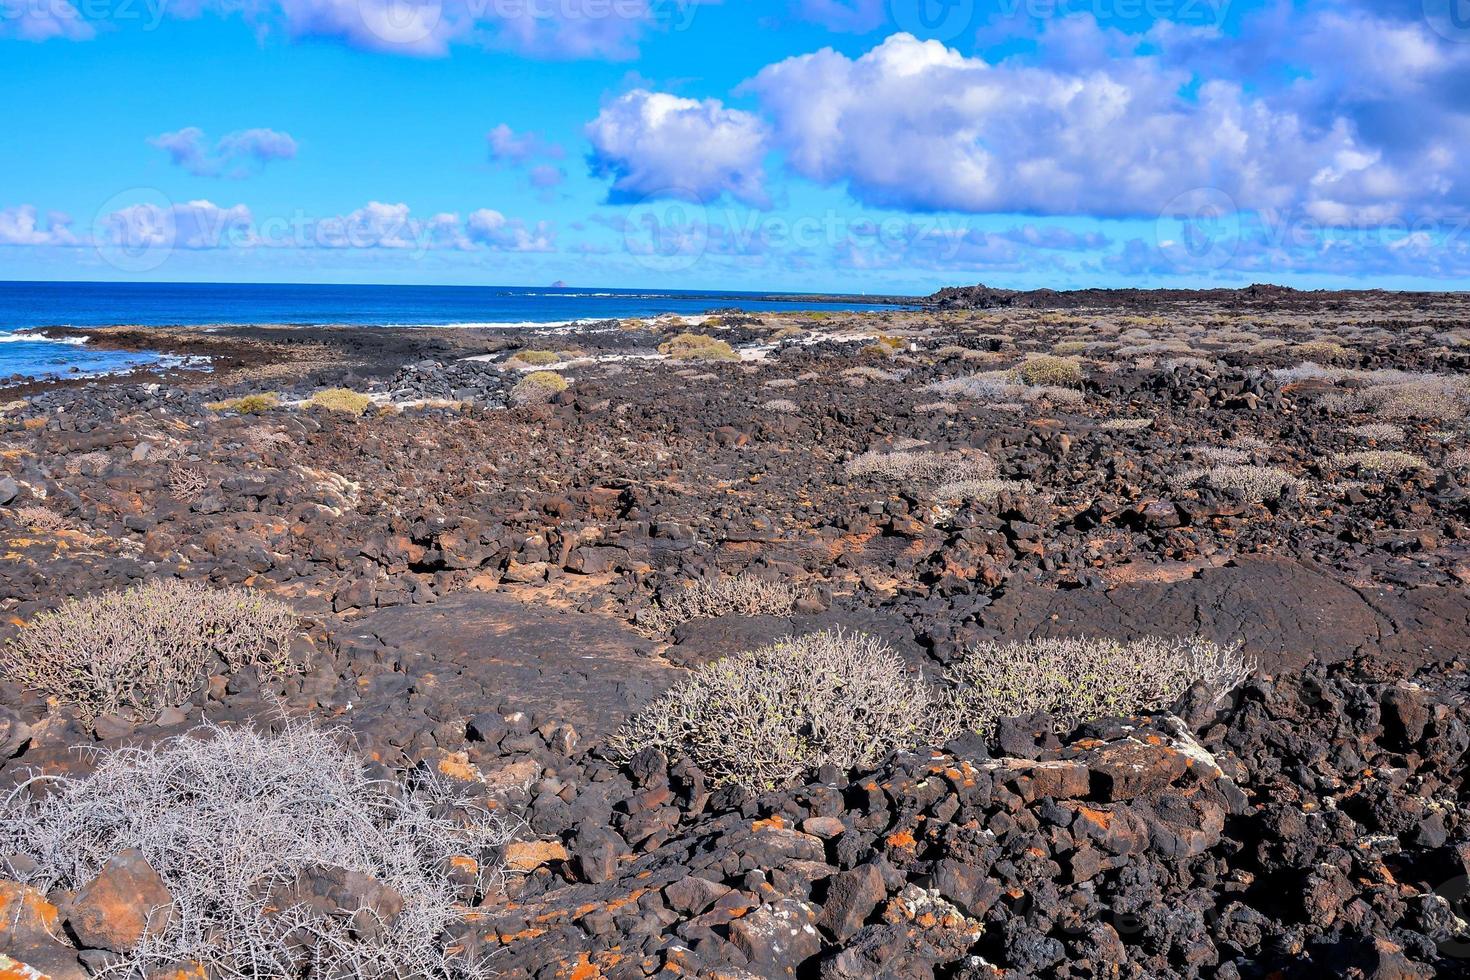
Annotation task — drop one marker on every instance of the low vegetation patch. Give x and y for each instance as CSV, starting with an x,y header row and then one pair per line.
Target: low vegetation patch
x,y
1378,461
1324,352
1255,483
537,387
535,358
1047,369
924,465
238,825
983,491
1076,680
697,347
340,400
248,404
744,595
768,717
1124,425
1377,432
146,648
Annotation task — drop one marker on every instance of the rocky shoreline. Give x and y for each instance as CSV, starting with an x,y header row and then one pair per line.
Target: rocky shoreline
x,y
483,534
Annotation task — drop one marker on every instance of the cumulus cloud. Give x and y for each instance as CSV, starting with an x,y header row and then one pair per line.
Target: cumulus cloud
x,y
509,147
22,226
236,155
656,145
494,230
916,125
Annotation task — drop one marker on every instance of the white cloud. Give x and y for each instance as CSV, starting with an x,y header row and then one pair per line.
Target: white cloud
x,y
494,230
508,146
916,125
22,226
656,145
236,155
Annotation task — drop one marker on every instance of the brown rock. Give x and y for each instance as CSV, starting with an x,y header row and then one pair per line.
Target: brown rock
x,y
529,855
124,903
850,900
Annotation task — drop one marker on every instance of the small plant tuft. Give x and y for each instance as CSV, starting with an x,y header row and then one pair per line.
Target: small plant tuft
x,y
248,404
143,649
340,400
697,347
537,387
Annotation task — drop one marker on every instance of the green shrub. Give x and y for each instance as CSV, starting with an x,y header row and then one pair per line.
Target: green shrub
x,y
248,404
1077,680
340,400
697,347
536,387
768,717
1045,369
148,647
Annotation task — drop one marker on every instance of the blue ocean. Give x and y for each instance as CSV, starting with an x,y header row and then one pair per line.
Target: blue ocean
x,y
29,305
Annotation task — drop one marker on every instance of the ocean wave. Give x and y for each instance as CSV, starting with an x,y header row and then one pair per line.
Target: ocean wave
x,y
12,337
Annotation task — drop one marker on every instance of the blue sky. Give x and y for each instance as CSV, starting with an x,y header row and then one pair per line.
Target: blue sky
x,y
841,145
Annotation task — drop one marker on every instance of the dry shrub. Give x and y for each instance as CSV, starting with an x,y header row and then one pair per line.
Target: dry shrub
x,y
232,820
38,518
983,491
1254,483
1076,680
744,595
923,465
248,404
535,358
148,647
1124,425
537,387
1377,432
1046,369
1378,461
1220,455
187,482
340,400
1458,460
697,347
781,406
766,718
1324,352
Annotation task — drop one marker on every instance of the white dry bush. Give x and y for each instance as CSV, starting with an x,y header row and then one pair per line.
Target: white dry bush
x,y
1458,460
1254,483
1125,425
744,595
1377,432
983,491
922,465
1077,680
781,406
1220,455
231,820
1377,460
146,648
768,717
